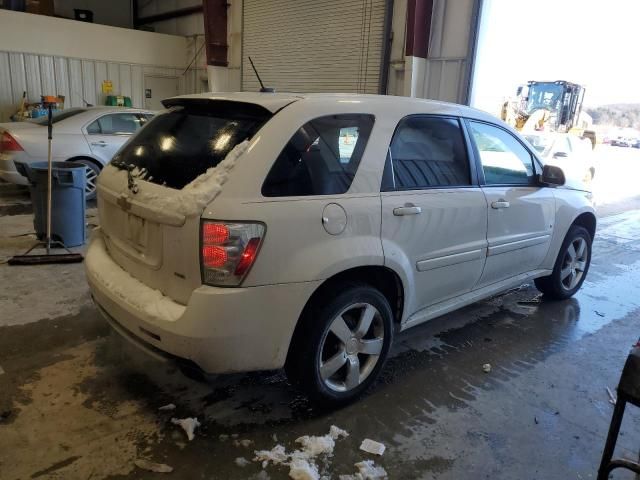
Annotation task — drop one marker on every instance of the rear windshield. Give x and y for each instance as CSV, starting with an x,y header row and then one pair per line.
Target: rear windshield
x,y
58,116
178,146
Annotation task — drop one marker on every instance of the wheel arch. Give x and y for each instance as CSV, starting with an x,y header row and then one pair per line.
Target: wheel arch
x,y
588,221
382,278
96,162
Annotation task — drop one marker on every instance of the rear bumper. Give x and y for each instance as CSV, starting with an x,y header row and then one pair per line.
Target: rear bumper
x,y
221,330
8,171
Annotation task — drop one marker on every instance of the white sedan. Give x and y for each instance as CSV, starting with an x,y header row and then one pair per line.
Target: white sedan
x,y
90,136
570,152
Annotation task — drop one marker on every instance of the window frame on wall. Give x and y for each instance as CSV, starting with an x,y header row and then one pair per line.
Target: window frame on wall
x,y
388,177
535,163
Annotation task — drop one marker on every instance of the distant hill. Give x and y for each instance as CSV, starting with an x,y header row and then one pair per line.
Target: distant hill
x,y
624,115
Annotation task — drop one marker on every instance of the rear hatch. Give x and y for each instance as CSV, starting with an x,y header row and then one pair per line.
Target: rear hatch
x,y
150,222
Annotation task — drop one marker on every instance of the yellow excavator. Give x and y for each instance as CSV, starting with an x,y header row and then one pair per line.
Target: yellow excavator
x,y
549,106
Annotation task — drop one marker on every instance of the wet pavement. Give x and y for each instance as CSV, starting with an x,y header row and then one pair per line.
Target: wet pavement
x,y
78,402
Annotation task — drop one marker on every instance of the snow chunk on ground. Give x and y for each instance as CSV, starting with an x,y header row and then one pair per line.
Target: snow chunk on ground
x,y
336,432
167,407
195,196
314,446
246,443
189,425
368,470
102,269
300,469
371,446
242,462
150,466
276,455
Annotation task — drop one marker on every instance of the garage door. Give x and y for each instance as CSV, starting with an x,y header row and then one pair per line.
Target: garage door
x,y
313,45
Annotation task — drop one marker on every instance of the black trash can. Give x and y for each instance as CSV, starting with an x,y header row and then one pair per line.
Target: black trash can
x,y
68,201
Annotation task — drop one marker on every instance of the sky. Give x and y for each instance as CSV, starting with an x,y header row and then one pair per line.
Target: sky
x,y
590,42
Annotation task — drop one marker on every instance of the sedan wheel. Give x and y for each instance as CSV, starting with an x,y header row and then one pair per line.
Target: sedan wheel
x,y
352,347
92,172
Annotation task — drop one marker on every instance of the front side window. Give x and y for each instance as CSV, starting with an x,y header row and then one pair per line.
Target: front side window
x,y
321,158
504,160
427,152
116,124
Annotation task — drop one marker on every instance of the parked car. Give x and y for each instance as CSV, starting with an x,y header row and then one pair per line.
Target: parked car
x,y
248,238
90,136
622,142
570,152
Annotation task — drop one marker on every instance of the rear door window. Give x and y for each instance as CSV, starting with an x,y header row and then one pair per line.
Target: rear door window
x,y
178,146
427,152
321,158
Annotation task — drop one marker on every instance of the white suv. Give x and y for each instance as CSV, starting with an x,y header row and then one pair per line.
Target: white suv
x,y
251,231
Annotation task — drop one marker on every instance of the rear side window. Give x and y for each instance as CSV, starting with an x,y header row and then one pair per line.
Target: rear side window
x,y
504,160
427,152
178,146
321,158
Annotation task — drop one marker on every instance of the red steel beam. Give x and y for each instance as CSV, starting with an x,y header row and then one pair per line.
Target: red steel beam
x,y
419,13
215,31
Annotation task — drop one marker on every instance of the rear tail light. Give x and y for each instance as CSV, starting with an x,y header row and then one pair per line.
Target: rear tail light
x,y
228,250
9,144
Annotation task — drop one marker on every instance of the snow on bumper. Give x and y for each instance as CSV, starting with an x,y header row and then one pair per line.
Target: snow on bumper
x,y
221,329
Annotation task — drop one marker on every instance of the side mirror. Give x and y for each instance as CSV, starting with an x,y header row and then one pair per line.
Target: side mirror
x,y
552,175
560,155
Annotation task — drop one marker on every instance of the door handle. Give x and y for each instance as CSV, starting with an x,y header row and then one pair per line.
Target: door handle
x,y
99,144
500,204
408,209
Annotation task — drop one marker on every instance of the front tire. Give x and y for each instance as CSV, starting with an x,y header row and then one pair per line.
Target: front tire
x,y
341,344
571,267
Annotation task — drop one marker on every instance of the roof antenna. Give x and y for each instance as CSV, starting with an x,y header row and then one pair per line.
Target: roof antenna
x,y
263,89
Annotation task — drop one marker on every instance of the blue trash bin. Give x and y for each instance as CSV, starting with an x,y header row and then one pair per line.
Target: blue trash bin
x,y
67,200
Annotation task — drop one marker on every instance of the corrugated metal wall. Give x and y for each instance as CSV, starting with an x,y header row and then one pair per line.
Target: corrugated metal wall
x,y
447,70
75,78
313,45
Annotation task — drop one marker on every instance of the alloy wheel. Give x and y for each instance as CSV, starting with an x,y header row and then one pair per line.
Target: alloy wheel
x,y
574,263
351,347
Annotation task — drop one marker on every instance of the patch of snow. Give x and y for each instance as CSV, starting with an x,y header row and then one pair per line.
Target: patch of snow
x,y
336,432
195,196
167,407
371,446
1,370
276,455
189,425
243,443
368,470
314,446
101,268
242,462
300,469
150,466
223,437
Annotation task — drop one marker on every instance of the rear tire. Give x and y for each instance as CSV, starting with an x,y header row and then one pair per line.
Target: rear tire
x,y
571,267
341,344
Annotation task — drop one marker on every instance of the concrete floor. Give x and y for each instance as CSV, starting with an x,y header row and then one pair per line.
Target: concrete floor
x,y
77,402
